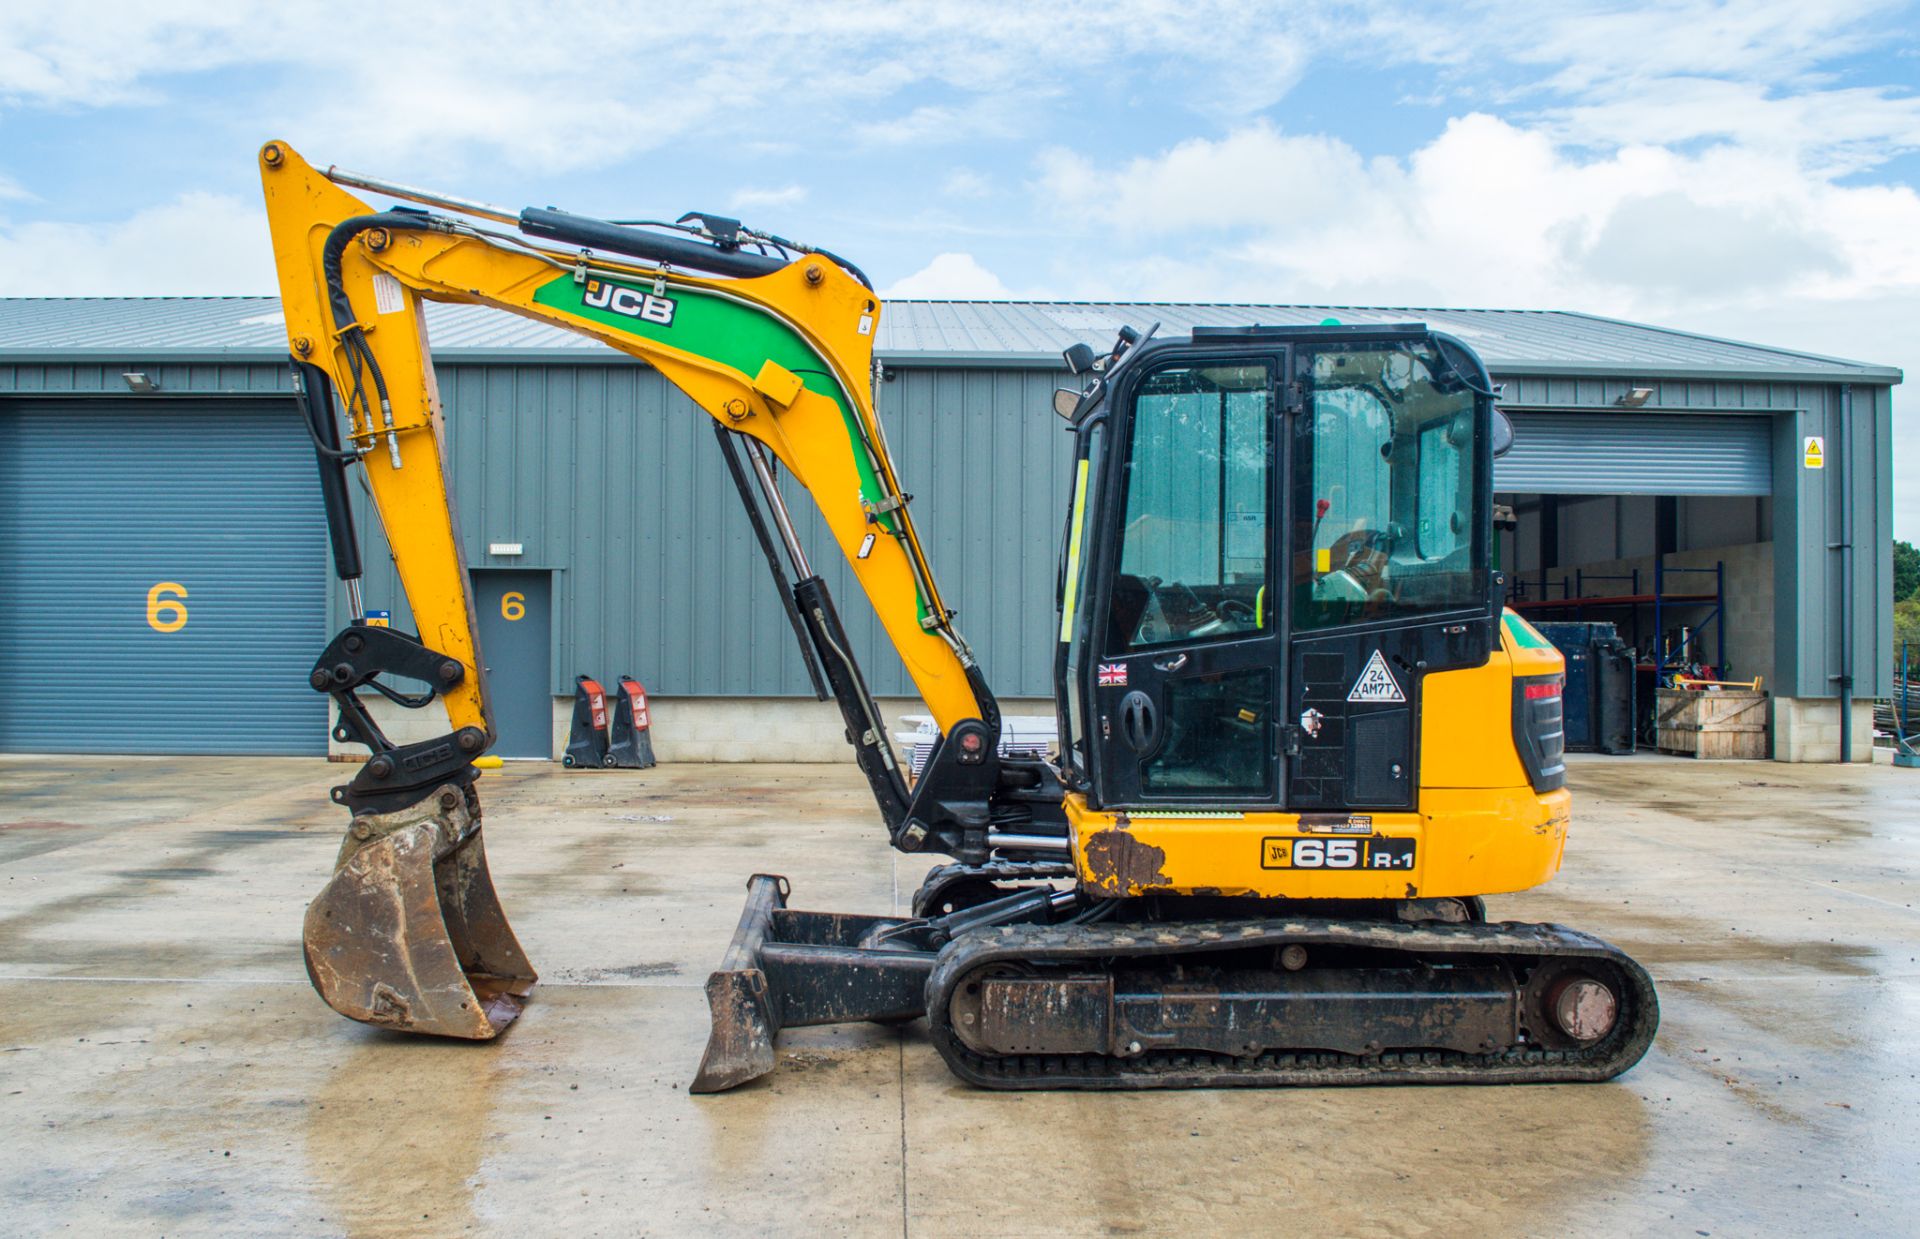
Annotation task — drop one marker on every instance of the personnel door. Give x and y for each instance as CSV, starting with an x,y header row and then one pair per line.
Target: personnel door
x,y
1189,660
516,634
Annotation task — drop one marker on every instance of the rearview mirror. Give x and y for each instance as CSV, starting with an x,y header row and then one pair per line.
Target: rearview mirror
x,y
1065,401
1502,434
1079,358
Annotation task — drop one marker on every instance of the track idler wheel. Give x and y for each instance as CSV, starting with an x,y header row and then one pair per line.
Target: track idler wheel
x,y
409,933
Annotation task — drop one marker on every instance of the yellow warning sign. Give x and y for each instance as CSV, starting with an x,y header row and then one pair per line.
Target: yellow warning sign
x,y
1815,452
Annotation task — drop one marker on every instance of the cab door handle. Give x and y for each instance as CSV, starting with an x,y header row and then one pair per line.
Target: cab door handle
x,y
1139,722
1172,664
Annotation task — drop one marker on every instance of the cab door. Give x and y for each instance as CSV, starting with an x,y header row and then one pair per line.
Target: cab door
x,y
1188,644
1390,515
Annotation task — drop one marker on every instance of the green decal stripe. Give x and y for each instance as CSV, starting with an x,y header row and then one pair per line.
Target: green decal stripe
x,y
1524,634
734,335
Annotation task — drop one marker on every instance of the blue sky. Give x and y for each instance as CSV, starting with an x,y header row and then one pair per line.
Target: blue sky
x,y
1742,169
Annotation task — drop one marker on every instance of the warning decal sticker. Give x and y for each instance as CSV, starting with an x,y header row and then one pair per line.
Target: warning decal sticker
x,y
1376,683
386,294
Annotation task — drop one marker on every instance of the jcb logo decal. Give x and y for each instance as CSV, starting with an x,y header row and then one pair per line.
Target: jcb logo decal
x,y
631,302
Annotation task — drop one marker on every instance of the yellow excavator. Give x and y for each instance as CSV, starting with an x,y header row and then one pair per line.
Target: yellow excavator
x,y
1299,736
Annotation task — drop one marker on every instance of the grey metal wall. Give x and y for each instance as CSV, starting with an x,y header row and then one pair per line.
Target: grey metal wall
x,y
1807,526
1809,559
101,376
609,477
102,501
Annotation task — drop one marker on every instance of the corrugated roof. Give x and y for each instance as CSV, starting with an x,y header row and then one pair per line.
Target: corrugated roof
x,y
1544,342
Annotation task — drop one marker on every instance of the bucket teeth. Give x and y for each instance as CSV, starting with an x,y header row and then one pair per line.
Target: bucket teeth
x,y
409,933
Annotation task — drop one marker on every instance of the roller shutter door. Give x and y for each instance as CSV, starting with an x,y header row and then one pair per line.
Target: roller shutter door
x,y
1637,454
102,501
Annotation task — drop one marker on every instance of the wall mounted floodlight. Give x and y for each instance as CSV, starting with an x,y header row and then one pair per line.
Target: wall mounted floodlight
x,y
139,383
1634,397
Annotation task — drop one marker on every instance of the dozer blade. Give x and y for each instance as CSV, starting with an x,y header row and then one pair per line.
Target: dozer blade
x,y
785,969
409,933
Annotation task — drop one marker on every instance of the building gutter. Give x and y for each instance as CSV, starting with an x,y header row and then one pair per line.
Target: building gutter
x,y
929,360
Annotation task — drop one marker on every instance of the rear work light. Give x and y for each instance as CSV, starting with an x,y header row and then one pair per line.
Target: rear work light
x,y
1539,730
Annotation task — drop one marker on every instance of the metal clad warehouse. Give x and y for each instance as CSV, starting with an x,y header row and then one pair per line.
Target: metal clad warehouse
x,y
597,486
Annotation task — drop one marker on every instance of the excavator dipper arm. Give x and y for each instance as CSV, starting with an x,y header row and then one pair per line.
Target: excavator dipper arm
x,y
778,350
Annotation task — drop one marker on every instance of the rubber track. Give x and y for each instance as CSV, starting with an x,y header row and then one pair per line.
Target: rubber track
x,y
991,871
1522,943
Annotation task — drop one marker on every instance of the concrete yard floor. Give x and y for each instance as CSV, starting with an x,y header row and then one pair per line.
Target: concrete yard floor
x,y
165,1069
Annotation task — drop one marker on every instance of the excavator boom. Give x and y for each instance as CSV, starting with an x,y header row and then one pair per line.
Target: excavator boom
x,y
773,341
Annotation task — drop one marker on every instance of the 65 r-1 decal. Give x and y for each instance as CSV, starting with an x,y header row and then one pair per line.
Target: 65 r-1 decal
x,y
1374,853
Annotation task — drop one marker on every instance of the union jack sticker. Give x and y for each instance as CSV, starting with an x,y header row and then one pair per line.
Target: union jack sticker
x,y
1113,674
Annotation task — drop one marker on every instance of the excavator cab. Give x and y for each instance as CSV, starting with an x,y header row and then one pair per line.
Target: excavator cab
x,y
1266,510
1276,559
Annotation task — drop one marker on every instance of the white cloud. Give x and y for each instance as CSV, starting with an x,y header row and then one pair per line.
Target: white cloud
x,y
197,245
956,276
511,85
982,116
1609,48
1832,131
1671,243
102,53
785,196
965,183
1253,177
1490,212
11,189
1701,163
1733,240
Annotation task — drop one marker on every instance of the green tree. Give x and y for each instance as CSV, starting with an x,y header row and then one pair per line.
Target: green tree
x,y
1906,627
1906,570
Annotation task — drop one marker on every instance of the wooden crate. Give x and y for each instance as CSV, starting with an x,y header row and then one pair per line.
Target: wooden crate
x,y
1712,723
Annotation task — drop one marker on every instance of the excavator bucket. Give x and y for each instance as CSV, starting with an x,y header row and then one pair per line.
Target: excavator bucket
x,y
409,933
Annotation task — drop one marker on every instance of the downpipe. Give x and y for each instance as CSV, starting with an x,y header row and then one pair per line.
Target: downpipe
x,y
1845,547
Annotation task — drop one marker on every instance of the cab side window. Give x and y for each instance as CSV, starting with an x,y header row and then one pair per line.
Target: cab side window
x,y
1383,512
1193,538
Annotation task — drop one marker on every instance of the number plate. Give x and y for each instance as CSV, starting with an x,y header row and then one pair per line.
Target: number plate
x,y
1372,853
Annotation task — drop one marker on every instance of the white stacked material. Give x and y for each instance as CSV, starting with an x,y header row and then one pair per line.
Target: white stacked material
x,y
1021,735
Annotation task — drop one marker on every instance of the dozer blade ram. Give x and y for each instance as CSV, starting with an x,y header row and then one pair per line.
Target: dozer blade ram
x,y
409,934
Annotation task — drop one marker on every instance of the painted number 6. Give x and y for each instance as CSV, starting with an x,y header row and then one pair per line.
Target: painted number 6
x,y
513,605
164,612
